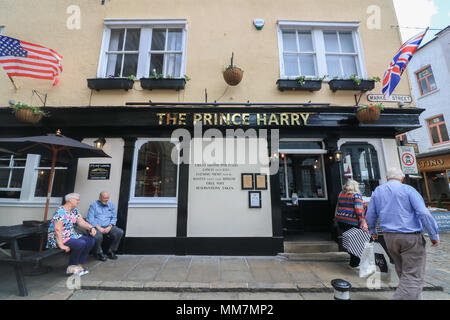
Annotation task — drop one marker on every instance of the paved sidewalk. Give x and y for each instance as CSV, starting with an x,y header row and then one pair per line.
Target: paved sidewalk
x,y
305,276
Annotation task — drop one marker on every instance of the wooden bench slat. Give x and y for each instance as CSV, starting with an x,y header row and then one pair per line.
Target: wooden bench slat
x,y
42,255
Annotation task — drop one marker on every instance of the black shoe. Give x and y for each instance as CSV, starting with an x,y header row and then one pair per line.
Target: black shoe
x,y
101,257
112,255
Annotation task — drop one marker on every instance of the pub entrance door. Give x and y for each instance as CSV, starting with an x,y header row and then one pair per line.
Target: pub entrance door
x,y
303,194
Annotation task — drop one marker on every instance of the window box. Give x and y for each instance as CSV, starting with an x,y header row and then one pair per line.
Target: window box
x,y
308,85
110,83
363,86
171,84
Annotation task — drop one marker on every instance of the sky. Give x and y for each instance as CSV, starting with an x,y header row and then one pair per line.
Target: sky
x,y
421,14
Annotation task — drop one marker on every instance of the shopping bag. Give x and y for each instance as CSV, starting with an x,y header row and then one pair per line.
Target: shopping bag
x,y
354,239
367,265
382,262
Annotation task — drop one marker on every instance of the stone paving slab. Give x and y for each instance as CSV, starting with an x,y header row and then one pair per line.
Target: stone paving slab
x,y
214,275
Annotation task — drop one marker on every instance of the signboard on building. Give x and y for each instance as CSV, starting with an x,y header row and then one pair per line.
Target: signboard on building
x,y
408,159
99,171
442,219
393,98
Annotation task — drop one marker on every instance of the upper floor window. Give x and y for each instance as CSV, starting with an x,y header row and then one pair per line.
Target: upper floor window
x,y
438,130
141,48
426,81
317,49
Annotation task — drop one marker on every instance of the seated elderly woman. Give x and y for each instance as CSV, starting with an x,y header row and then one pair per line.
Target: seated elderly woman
x,y
62,234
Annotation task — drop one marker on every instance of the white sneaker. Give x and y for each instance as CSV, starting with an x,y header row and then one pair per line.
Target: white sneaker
x,y
71,269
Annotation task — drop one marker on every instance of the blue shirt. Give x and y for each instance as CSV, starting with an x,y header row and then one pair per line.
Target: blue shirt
x,y
399,208
102,215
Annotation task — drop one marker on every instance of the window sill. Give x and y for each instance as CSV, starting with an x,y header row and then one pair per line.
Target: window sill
x,y
428,94
29,204
153,203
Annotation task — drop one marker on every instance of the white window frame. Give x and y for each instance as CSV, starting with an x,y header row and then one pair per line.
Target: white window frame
x,y
151,202
27,198
317,29
146,26
312,152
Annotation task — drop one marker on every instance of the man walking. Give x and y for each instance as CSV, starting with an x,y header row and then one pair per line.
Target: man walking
x,y
402,214
103,216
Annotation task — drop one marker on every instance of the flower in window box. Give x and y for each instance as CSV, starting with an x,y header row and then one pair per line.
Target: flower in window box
x,y
369,113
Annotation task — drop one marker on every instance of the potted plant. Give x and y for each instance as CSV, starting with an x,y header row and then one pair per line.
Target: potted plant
x,y
301,83
369,113
27,114
354,83
157,81
112,82
233,74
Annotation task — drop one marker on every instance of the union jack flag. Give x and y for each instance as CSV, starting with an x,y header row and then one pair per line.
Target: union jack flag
x,y
398,65
24,59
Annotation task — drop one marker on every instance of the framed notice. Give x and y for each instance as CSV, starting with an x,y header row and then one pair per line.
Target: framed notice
x,y
247,181
261,181
254,199
99,171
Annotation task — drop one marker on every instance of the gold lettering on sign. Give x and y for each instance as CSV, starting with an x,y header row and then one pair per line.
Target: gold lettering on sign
x,y
207,119
261,117
305,117
182,118
197,117
284,119
233,118
245,119
273,119
225,118
295,117
160,115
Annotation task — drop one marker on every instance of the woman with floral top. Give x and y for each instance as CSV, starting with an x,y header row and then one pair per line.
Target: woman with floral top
x,y
62,234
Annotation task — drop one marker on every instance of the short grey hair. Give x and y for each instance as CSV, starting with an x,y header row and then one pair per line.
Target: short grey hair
x,y
351,186
395,173
103,192
71,196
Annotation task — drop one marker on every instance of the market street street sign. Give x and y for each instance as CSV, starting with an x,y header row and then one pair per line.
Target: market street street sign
x,y
393,98
408,159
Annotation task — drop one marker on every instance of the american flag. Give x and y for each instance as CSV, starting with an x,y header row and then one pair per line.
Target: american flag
x,y
24,59
398,65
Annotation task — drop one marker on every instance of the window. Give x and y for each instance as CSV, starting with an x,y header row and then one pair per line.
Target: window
x,y
360,163
11,176
426,81
438,130
43,177
123,52
25,178
298,53
340,54
137,47
301,174
317,49
155,175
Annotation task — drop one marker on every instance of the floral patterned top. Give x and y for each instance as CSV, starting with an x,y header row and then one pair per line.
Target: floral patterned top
x,y
68,231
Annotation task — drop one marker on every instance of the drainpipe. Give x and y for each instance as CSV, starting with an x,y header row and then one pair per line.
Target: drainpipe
x,y
384,157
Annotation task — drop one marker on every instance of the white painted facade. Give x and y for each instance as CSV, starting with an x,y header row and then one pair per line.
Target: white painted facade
x,y
436,54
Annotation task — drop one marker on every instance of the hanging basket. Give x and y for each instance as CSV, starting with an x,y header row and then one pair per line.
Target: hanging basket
x,y
28,116
233,76
368,115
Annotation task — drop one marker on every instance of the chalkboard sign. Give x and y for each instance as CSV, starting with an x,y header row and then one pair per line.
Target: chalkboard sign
x,y
442,219
99,171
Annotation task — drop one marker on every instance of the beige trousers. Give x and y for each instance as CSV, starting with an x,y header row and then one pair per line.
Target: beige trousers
x,y
409,255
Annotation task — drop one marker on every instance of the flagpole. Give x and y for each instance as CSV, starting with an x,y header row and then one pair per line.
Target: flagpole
x,y
12,81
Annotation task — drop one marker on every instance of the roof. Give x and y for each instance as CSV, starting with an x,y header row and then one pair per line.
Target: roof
x,y
436,36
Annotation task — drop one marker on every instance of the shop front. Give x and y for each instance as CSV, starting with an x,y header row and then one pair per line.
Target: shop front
x,y
435,185
221,179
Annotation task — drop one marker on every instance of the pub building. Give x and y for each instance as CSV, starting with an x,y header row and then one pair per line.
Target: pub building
x,y
306,143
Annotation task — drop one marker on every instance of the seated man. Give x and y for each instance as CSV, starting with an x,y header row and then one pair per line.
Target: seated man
x,y
103,216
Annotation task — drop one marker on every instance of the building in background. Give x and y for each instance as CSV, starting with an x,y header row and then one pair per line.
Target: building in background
x,y
429,72
222,207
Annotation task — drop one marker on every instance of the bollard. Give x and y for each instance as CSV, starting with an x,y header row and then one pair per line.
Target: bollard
x,y
341,289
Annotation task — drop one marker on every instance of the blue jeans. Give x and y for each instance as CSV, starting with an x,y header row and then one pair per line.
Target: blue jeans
x,y
79,249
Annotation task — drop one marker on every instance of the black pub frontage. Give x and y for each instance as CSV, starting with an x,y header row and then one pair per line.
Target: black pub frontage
x,y
222,207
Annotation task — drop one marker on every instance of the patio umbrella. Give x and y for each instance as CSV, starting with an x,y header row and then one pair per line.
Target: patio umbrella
x,y
52,146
